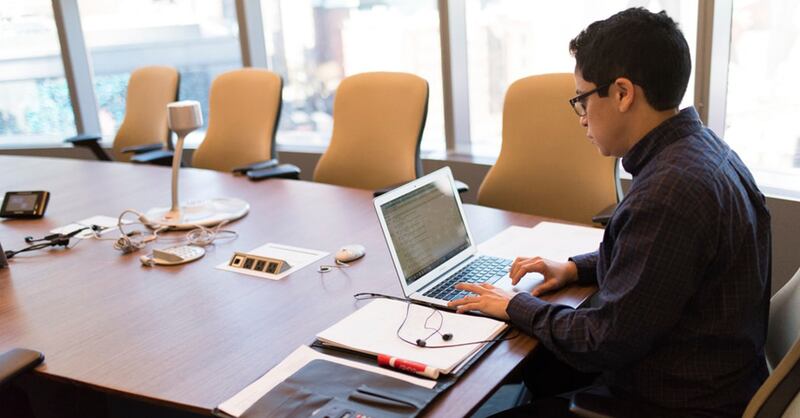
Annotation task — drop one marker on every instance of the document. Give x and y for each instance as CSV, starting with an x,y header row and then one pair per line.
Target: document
x,y
107,224
549,240
296,257
373,329
239,403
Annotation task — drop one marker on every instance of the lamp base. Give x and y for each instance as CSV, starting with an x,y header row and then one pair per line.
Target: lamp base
x,y
200,212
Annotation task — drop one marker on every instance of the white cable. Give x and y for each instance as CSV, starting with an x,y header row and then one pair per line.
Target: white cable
x,y
200,236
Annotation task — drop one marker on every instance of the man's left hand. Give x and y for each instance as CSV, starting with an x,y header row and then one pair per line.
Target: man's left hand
x,y
488,299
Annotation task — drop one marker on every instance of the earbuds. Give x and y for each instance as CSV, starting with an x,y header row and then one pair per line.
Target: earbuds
x,y
422,342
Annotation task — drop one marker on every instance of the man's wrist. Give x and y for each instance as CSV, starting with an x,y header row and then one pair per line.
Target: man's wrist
x,y
572,272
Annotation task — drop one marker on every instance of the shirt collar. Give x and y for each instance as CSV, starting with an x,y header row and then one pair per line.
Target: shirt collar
x,y
679,126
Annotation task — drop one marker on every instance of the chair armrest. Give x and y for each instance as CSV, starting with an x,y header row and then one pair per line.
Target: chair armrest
x,y
283,171
261,165
141,149
91,141
83,140
16,362
461,187
161,157
604,215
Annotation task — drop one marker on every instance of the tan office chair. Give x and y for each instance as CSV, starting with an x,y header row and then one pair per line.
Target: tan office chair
x,y
144,127
243,111
778,396
546,166
378,119
244,107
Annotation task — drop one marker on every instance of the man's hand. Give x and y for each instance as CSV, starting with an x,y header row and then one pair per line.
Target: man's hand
x,y
556,274
488,299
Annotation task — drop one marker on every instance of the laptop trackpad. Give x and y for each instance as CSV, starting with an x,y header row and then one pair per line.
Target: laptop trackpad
x,y
527,284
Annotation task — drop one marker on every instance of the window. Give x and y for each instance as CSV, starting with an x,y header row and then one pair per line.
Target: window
x,y
763,99
198,37
34,98
510,39
314,44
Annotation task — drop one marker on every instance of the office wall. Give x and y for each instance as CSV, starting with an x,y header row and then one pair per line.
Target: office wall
x,y
785,213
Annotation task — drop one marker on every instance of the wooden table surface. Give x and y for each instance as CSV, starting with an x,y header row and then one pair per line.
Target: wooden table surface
x,y
192,336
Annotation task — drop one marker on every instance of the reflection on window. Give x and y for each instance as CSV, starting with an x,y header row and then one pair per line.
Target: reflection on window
x,y
34,99
313,44
510,39
198,37
763,99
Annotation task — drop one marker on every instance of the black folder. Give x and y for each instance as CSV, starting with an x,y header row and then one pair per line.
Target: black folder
x,y
325,389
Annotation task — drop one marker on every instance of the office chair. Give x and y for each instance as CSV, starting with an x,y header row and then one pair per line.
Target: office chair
x,y
378,120
778,396
144,127
12,364
546,166
244,107
780,393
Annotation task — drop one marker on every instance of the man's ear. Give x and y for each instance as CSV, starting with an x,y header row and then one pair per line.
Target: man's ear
x,y
625,94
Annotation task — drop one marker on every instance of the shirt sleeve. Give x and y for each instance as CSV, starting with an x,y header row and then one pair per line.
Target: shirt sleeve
x,y
657,257
587,267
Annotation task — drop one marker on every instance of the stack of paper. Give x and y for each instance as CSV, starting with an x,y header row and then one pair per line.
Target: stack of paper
x,y
548,240
373,329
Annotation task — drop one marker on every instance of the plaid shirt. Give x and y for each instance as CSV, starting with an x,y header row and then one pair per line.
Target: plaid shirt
x,y
684,280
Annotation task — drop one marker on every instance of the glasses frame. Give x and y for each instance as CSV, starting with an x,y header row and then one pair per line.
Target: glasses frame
x,y
581,99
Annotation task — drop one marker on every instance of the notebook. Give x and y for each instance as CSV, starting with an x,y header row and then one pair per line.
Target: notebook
x,y
373,329
431,245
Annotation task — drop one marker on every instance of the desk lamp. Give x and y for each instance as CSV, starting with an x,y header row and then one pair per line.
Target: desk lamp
x,y
184,117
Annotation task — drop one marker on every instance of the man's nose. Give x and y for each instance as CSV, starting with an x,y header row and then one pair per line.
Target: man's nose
x,y
584,121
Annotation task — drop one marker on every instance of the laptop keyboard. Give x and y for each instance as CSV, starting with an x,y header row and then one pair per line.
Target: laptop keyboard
x,y
482,269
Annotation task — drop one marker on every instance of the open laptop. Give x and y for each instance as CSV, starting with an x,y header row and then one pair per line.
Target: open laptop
x,y
431,245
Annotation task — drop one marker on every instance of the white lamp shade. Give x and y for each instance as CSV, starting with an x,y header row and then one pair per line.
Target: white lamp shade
x,y
184,116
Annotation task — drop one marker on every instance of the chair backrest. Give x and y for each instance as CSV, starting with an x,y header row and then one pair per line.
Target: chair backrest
x,y
546,166
378,119
150,89
779,395
243,110
784,320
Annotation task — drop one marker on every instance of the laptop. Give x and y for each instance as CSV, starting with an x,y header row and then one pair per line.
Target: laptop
x,y
431,245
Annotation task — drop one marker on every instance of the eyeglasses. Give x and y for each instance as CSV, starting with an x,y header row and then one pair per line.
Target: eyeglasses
x,y
578,102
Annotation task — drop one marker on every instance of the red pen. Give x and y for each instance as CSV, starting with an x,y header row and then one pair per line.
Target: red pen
x,y
408,366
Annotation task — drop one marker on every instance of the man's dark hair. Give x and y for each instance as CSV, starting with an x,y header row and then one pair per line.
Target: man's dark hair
x,y
647,48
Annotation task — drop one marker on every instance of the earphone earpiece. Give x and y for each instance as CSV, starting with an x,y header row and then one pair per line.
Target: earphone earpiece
x,y
29,240
421,342
447,337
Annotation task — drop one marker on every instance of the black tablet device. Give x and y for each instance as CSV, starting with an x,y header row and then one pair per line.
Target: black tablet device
x,y
24,204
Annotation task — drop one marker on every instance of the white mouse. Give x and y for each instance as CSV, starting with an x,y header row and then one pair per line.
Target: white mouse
x,y
350,253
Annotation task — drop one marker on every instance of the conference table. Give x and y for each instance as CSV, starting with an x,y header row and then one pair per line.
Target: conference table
x,y
191,336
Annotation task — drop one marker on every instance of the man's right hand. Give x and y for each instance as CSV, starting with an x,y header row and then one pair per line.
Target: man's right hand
x,y
556,274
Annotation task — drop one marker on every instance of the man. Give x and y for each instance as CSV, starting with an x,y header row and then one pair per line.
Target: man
x,y
683,272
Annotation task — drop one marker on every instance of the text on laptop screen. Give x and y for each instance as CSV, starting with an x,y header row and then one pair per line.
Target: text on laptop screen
x,y
426,228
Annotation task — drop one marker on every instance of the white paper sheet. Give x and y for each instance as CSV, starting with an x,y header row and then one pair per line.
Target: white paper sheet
x,y
106,222
547,239
296,257
239,403
373,330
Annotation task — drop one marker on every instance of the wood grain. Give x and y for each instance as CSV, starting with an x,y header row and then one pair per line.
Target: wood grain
x,y
192,336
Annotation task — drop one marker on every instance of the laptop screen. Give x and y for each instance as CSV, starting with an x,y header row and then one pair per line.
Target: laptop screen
x,y
426,228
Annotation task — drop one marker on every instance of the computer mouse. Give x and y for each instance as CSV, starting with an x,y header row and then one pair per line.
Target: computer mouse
x,y
350,253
